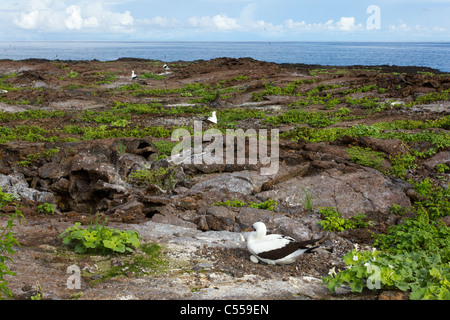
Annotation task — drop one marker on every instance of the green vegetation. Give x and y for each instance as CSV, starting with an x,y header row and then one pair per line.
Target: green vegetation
x,y
289,90
164,148
424,275
382,130
308,201
4,85
105,77
99,239
415,255
46,208
144,262
366,157
333,221
317,119
7,243
72,74
265,205
30,114
162,177
149,75
227,203
40,155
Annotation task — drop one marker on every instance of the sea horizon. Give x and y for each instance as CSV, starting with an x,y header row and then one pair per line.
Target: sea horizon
x,y
429,54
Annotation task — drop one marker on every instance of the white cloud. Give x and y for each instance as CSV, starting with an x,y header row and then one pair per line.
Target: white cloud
x,y
58,15
220,22
347,24
416,30
158,22
249,21
344,24
27,20
75,21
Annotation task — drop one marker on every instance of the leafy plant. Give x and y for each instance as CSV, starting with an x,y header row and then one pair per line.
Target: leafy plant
x,y
426,276
227,203
46,208
401,163
414,236
72,74
415,256
265,205
333,221
7,241
163,177
442,168
149,75
366,157
164,147
434,200
97,238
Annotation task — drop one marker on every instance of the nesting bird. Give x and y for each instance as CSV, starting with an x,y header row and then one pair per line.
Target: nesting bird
x,y
275,248
133,75
166,67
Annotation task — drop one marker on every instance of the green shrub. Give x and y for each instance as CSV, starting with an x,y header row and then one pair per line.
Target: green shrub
x,y
414,236
265,205
7,242
164,147
162,177
434,200
425,276
333,221
99,239
402,163
415,256
227,203
46,208
366,157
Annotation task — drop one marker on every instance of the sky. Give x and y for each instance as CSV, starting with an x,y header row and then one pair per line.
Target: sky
x,y
225,20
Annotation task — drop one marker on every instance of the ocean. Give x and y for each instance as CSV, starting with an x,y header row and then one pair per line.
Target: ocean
x,y
422,54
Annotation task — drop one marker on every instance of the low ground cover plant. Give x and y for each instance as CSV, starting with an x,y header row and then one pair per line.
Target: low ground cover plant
x,y
7,243
99,239
413,256
265,205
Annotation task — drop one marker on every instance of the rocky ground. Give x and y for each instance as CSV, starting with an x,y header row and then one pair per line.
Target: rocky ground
x,y
73,134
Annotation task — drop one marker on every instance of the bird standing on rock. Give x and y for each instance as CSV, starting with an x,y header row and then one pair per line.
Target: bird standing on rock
x,y
275,248
133,75
212,119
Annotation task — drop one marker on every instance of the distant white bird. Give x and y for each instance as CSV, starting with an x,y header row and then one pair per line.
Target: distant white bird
x,y
275,248
3,91
166,67
212,119
133,75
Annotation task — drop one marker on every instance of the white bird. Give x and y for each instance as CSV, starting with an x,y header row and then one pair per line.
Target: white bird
x,y
212,119
3,91
133,75
166,67
275,248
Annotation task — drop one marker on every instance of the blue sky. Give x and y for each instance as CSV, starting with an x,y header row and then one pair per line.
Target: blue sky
x,y
225,20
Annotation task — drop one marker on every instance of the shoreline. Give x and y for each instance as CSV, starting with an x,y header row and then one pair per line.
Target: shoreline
x,y
384,67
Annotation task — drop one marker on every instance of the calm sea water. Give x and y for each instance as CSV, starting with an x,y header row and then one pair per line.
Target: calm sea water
x,y
428,54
